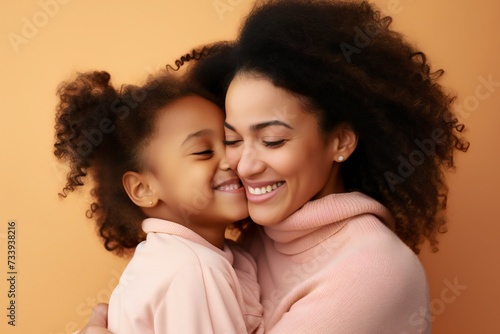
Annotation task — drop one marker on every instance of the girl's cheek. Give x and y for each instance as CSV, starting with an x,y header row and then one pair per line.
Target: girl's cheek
x,y
233,157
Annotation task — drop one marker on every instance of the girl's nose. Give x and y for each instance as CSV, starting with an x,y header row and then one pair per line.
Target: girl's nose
x,y
223,164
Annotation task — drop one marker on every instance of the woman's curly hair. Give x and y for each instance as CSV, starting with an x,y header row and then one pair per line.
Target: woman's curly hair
x,y
101,131
346,65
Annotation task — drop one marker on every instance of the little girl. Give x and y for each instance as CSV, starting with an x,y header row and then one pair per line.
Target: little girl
x,y
156,157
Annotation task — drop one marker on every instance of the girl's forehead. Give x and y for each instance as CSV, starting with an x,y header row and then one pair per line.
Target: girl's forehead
x,y
187,115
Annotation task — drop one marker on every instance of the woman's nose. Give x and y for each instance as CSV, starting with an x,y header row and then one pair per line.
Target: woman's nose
x,y
249,163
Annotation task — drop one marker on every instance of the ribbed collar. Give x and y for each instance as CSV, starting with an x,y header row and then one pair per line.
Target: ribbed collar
x,y
319,219
156,225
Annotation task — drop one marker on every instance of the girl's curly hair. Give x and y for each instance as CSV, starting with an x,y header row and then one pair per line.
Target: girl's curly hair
x,y
346,65
101,131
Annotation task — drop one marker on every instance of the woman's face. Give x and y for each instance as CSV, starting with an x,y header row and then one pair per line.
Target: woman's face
x,y
276,149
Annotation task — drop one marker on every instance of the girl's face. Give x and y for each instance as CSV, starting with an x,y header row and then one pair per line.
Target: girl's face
x,y
188,170
276,149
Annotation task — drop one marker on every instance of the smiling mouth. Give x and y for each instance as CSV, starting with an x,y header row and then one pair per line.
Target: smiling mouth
x,y
265,190
228,185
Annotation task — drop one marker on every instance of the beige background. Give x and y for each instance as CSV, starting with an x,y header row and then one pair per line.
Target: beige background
x,y
62,268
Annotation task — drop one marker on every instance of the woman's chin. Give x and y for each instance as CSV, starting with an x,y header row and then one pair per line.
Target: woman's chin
x,y
264,217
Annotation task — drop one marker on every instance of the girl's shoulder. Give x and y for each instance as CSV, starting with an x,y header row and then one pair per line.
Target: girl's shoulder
x,y
167,253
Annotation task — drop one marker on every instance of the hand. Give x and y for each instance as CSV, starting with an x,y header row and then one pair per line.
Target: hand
x,y
98,321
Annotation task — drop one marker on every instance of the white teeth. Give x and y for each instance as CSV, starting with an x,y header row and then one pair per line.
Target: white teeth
x,y
230,187
264,190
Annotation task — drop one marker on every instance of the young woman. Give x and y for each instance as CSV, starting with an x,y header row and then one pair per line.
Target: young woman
x,y
156,157
341,135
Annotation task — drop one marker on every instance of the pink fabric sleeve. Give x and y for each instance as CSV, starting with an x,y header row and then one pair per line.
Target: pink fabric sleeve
x,y
199,300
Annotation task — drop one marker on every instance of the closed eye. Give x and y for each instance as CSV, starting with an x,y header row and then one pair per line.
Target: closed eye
x,y
274,144
206,152
231,142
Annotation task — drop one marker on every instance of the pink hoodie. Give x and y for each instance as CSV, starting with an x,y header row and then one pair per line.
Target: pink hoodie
x,y
335,267
177,282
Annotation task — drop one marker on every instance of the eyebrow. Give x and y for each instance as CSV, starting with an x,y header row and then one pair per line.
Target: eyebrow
x,y
197,134
260,126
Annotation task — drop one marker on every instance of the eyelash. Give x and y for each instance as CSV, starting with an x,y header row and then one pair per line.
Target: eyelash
x,y
206,152
274,144
270,144
230,142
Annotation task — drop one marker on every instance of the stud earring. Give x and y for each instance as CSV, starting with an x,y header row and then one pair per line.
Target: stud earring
x,y
340,158
150,202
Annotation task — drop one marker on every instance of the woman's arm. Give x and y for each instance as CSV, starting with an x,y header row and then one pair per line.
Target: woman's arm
x,y
98,321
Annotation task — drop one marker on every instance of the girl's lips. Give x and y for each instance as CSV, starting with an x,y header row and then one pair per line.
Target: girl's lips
x,y
229,185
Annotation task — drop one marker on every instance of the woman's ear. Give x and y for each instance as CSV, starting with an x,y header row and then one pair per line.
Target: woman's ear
x,y
344,141
139,189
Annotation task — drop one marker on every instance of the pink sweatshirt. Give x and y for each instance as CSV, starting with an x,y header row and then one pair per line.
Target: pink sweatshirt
x,y
177,282
334,267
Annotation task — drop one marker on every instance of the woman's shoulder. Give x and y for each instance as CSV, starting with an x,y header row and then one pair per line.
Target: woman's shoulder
x,y
370,247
